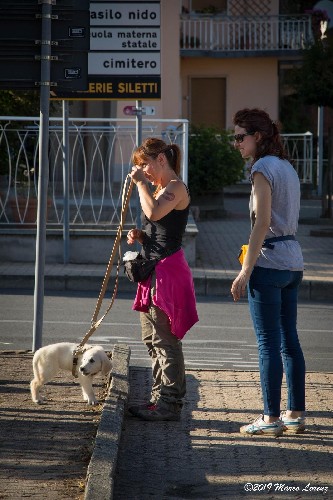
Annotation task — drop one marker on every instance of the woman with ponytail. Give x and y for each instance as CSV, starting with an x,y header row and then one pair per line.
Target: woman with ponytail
x,y
272,271
166,300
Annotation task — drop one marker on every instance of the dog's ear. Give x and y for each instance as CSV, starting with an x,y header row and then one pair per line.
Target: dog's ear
x,y
106,365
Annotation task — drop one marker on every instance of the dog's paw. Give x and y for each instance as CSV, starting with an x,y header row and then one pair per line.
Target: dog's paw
x,y
39,401
92,402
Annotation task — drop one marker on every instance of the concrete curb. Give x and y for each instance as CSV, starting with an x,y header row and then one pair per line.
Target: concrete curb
x,y
102,465
311,289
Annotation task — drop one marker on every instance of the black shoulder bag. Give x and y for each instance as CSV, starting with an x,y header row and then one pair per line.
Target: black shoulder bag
x,y
139,269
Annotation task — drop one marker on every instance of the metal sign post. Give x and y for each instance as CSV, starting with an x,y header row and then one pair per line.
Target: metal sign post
x,y
320,129
65,174
43,175
138,133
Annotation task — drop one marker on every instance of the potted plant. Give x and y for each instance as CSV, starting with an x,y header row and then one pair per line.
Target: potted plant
x,y
213,164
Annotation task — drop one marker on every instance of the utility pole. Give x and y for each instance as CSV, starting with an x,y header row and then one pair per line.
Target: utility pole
x,y
43,175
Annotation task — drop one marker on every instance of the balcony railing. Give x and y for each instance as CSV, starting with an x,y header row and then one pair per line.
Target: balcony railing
x,y
236,34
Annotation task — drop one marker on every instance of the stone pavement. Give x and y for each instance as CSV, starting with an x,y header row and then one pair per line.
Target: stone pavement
x,y
66,450
204,456
44,449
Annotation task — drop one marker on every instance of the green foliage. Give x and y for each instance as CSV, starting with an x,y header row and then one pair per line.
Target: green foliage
x,y
19,103
22,103
213,161
295,6
210,9
313,80
294,115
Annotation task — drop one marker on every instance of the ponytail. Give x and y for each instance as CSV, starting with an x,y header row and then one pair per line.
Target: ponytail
x,y
257,120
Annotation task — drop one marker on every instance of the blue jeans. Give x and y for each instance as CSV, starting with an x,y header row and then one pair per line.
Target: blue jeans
x,y
272,298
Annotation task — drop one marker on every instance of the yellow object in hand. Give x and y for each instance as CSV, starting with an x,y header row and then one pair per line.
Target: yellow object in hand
x,y
242,253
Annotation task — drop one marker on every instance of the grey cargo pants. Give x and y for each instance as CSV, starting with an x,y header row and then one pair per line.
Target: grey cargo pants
x,y
166,352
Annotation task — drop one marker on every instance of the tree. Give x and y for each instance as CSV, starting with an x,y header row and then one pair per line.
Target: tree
x,y
313,82
19,103
22,103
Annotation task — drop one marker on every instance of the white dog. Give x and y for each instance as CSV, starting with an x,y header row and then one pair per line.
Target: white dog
x,y
48,360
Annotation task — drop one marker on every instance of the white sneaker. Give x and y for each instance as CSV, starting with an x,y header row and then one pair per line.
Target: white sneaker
x,y
293,425
259,426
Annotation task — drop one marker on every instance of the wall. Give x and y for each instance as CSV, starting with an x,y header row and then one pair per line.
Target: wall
x,y
85,246
251,82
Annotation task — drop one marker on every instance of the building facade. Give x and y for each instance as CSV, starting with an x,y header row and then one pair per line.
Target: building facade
x,y
218,56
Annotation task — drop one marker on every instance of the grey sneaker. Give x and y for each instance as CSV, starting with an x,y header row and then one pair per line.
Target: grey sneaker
x,y
136,408
293,425
259,427
158,413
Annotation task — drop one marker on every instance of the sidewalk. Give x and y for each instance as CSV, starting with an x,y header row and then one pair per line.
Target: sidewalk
x,y
205,457
52,452
217,247
219,241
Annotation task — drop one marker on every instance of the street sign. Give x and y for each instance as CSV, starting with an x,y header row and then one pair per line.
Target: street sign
x,y
23,72
119,39
124,57
21,41
70,31
133,110
120,88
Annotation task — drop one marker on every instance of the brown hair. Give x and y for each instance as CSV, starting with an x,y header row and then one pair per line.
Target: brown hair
x,y
151,148
257,120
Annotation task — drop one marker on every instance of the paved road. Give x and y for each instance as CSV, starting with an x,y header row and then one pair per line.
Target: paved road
x,y
223,339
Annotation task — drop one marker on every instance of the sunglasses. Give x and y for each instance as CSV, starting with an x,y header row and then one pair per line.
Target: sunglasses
x,y
240,137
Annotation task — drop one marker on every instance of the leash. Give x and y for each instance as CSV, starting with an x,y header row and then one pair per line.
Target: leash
x,y
95,323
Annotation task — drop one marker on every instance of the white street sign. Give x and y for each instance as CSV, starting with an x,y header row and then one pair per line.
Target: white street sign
x,y
140,39
145,110
124,63
125,14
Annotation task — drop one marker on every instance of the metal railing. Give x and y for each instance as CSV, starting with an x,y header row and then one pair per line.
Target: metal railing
x,y
248,33
300,151
100,152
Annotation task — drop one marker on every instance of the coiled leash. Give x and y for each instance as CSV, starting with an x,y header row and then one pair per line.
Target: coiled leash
x,y
126,195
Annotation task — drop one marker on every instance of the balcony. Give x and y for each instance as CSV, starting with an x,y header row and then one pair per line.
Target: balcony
x,y
244,36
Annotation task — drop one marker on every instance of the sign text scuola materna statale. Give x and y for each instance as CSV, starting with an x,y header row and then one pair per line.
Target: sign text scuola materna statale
x,y
124,61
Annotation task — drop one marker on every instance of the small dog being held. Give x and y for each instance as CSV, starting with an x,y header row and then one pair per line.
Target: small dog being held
x,y
48,360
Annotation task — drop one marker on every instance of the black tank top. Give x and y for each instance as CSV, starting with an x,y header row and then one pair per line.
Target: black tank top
x,y
164,237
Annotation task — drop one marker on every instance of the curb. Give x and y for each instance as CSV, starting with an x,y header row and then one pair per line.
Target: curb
x,y
102,465
311,289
